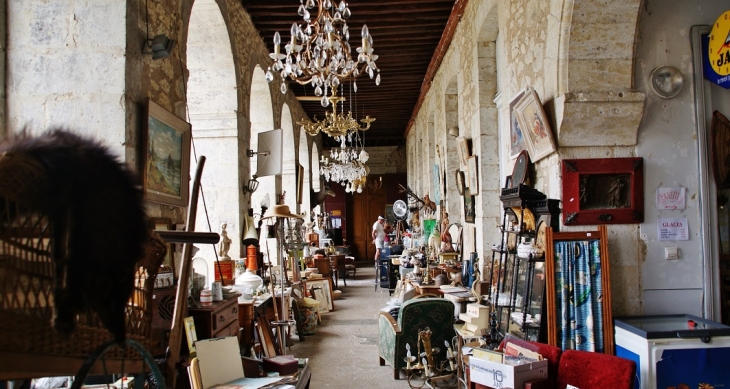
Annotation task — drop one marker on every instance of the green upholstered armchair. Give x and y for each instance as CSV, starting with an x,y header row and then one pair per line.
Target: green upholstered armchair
x,y
413,316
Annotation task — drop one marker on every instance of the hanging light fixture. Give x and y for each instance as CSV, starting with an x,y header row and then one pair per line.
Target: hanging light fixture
x,y
319,51
335,125
346,165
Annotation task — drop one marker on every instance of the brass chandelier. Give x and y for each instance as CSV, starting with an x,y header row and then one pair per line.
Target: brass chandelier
x,y
335,124
319,51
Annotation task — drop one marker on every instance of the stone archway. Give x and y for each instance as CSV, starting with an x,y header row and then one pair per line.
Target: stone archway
x,y
212,103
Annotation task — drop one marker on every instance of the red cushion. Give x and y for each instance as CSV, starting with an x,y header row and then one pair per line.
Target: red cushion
x,y
587,370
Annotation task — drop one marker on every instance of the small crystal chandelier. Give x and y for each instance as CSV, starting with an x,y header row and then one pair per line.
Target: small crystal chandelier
x,y
319,52
346,165
335,125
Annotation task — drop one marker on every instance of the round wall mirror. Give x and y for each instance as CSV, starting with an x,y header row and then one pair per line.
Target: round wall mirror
x,y
519,172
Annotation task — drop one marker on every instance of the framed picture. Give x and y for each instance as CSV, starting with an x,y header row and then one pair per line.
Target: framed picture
x,y
165,224
473,177
517,141
190,333
535,128
603,191
469,209
460,184
300,183
577,263
322,292
464,154
266,337
389,215
166,157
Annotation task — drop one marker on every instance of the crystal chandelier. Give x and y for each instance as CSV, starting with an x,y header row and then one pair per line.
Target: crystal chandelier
x,y
319,51
336,125
346,165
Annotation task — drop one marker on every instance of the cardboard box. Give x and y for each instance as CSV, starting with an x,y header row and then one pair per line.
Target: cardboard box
x,y
488,355
498,375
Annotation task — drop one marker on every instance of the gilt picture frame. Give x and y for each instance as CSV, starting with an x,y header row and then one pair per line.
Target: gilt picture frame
x,y
534,126
165,157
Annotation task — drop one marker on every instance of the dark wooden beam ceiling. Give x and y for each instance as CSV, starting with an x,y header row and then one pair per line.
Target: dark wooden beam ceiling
x,y
406,35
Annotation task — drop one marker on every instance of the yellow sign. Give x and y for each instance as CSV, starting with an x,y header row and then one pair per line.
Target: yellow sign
x,y
719,46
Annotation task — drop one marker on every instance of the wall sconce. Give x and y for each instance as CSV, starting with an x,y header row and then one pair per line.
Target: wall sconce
x,y
454,131
666,81
251,185
160,46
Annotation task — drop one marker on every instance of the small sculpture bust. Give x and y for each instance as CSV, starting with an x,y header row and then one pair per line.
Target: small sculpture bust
x,y
225,243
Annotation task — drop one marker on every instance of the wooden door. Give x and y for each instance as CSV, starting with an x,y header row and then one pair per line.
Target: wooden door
x,y
366,207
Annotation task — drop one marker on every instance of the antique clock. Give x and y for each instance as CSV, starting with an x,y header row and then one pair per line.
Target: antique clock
x,y
719,46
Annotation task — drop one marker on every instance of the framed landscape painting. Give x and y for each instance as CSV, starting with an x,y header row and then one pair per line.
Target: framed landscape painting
x,y
166,157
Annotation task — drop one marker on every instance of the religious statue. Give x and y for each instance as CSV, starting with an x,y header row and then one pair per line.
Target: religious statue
x,y
446,246
225,243
434,243
445,221
615,193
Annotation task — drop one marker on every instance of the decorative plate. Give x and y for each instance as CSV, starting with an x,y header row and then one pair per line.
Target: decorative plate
x,y
519,172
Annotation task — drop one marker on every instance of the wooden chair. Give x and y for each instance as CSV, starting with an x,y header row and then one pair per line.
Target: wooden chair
x,y
337,262
322,263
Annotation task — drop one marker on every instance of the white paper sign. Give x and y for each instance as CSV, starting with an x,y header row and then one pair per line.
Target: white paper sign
x,y
670,198
673,229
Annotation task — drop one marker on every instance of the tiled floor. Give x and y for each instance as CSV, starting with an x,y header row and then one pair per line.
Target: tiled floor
x,y
343,353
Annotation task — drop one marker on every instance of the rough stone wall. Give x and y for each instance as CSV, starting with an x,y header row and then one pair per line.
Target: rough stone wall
x,y
502,47
65,68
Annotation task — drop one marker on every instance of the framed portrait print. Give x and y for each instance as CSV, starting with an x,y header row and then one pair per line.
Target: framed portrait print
x,y
603,191
473,177
460,184
516,140
166,157
463,146
535,128
469,209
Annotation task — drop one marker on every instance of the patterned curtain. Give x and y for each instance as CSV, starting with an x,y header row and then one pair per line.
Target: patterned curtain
x,y
579,295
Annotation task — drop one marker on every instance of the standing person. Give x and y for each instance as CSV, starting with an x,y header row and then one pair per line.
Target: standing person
x,y
378,235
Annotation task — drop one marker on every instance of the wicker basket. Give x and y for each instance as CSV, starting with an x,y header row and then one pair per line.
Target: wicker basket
x,y
27,271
